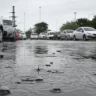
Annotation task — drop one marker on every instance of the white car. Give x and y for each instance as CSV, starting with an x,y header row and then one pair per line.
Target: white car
x,y
22,36
84,33
42,35
50,35
34,36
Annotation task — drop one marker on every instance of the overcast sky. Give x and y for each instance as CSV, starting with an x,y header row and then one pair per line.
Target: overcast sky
x,y
53,12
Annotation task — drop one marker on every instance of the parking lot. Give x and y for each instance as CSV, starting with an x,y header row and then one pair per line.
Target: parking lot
x,y
66,65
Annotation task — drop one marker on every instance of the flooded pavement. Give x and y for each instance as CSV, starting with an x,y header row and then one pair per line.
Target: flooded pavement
x,y
48,68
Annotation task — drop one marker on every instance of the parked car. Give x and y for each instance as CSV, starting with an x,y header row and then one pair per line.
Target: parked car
x,y
57,36
42,35
50,35
66,34
8,30
34,36
84,33
22,36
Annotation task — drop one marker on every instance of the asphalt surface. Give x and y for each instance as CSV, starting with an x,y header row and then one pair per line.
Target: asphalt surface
x,y
68,66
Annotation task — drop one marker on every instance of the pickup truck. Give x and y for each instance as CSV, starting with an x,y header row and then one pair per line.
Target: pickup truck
x,y
7,30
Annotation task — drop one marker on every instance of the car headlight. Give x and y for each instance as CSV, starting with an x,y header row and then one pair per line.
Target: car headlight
x,y
89,34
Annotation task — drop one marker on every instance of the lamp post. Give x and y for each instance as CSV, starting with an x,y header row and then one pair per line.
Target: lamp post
x,y
24,22
40,14
75,16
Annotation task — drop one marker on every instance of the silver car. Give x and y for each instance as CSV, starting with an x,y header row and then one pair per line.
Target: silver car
x,y
66,34
84,33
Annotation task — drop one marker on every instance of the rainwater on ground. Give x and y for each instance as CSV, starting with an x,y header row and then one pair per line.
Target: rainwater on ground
x,y
65,66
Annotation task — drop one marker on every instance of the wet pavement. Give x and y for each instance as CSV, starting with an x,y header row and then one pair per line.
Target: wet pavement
x,y
48,68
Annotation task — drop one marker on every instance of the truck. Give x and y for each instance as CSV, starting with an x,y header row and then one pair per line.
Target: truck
x,y
7,30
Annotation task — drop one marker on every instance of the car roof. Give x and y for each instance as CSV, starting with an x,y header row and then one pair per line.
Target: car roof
x,y
85,27
34,33
68,30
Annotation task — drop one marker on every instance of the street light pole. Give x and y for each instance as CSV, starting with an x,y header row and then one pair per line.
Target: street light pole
x,y
75,14
40,14
24,22
56,24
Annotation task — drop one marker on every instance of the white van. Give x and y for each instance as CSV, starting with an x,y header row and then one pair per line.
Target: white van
x,y
50,34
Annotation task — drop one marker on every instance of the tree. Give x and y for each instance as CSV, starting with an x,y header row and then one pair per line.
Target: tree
x,y
41,27
83,22
93,22
69,25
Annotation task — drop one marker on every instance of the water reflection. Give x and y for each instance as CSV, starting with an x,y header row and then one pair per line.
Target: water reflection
x,y
41,50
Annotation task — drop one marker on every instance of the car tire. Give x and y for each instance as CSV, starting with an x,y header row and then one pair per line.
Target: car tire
x,y
84,38
74,38
1,35
66,38
14,37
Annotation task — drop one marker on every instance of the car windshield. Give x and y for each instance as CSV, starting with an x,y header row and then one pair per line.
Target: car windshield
x,y
69,31
89,29
34,34
7,22
52,33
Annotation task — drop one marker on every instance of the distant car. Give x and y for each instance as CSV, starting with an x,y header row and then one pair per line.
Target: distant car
x,y
50,35
22,36
67,34
42,35
34,36
57,36
84,33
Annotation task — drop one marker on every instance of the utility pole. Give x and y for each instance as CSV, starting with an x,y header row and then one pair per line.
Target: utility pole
x,y
13,16
24,22
75,16
40,14
56,24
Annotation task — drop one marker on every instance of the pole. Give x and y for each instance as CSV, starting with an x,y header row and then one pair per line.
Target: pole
x,y
13,16
56,24
24,22
39,14
75,14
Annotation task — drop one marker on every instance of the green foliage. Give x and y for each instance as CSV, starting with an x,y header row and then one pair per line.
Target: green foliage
x,y
83,22
93,22
41,27
69,25
79,23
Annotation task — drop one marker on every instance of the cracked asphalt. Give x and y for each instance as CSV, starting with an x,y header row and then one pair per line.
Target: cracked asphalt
x,y
68,65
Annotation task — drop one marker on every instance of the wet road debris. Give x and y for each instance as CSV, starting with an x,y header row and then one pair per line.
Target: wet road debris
x,y
51,62
28,79
1,56
47,65
4,90
38,79
58,51
56,90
